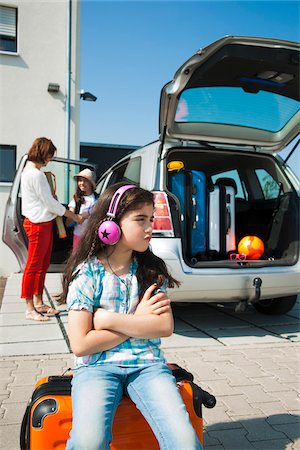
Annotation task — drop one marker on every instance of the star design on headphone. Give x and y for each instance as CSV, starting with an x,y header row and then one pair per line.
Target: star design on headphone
x,y
105,234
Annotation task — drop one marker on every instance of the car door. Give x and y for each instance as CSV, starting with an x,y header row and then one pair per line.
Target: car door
x,y
63,171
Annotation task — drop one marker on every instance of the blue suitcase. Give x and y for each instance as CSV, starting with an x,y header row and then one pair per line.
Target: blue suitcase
x,y
191,190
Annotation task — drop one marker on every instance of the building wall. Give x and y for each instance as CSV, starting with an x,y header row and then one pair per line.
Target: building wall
x,y
27,109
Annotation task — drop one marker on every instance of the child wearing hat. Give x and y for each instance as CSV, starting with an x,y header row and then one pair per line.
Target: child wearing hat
x,y
83,201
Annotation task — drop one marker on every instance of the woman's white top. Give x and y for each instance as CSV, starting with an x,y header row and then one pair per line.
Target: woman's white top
x,y
38,203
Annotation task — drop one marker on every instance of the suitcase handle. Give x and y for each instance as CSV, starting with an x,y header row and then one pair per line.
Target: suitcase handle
x,y
228,220
194,213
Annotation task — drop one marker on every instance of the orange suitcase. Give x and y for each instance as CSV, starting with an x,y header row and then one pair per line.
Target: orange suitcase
x,y
48,417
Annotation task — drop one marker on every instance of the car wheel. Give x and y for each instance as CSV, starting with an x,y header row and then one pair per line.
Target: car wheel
x,y
274,306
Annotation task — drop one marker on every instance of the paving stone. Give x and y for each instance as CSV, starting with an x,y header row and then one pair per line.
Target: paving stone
x,y
14,319
218,419
190,339
238,406
277,444
271,384
4,390
29,334
239,379
18,394
53,370
285,375
24,379
254,370
293,445
259,429
290,332
247,335
9,437
269,408
232,440
294,386
239,359
5,380
28,348
222,387
210,442
226,367
289,399
204,370
278,419
293,366
14,413
180,326
4,363
24,365
255,394
13,308
214,355
5,372
267,363
291,430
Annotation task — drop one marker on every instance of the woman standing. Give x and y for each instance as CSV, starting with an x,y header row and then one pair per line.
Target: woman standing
x,y
40,209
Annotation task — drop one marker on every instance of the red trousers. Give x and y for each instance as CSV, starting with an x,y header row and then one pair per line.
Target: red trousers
x,y
40,241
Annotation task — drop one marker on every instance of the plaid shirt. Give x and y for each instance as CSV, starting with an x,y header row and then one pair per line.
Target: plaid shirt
x,y
92,288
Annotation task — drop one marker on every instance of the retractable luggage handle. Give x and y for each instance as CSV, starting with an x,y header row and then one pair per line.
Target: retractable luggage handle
x,y
194,213
228,219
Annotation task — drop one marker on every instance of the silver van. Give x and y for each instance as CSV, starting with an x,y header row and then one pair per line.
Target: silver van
x,y
217,176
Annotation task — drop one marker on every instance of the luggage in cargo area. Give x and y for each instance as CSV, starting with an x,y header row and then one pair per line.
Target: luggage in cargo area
x,y
222,220
48,417
191,190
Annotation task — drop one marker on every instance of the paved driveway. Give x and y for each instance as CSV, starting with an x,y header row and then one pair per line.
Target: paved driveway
x,y
250,362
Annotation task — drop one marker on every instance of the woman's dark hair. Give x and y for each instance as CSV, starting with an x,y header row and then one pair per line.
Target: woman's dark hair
x,y
41,150
150,269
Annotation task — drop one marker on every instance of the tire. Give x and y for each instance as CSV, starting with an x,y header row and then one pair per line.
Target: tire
x,y
273,306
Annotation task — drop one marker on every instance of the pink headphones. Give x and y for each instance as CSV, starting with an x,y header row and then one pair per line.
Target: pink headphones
x,y
109,231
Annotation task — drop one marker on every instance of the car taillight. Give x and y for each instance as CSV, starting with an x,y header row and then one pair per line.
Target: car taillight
x,y
162,216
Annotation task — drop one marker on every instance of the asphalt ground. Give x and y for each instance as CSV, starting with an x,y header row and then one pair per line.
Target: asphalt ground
x,y
250,362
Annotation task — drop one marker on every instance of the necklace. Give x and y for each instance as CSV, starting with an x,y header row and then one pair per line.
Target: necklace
x,y
127,285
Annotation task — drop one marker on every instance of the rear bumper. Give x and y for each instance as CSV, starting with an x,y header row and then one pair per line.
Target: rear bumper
x,y
224,284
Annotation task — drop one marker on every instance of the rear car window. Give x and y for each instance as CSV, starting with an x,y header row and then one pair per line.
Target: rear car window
x,y
234,106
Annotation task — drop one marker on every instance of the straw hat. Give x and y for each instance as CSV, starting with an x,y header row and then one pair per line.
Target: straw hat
x,y
89,175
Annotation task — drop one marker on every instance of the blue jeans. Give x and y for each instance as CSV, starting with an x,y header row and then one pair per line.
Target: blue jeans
x,y
98,390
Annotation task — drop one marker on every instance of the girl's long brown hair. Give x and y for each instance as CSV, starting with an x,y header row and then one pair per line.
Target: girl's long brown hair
x,y
150,269
79,194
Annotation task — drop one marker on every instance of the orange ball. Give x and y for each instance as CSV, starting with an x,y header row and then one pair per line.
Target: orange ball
x,y
251,246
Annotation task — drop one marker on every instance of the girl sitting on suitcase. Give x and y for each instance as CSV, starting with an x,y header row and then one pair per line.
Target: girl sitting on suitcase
x,y
116,317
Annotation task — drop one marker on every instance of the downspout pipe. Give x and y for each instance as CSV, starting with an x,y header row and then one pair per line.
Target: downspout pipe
x,y
68,90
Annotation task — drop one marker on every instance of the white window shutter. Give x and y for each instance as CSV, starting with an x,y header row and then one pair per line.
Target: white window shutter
x,y
8,21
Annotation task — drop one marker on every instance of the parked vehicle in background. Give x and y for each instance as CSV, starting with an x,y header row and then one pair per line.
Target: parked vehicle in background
x,y
218,177
224,118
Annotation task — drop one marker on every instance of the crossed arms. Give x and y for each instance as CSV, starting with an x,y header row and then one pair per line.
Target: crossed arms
x,y
92,333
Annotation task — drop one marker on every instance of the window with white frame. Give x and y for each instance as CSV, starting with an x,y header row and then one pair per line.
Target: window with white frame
x,y
8,29
7,163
